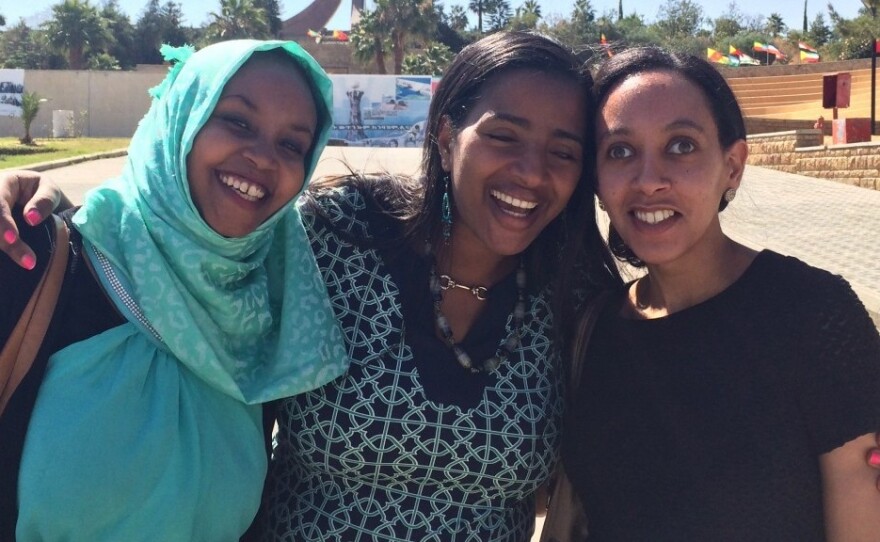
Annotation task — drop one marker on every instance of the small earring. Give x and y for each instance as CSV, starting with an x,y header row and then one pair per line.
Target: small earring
x,y
729,194
446,210
601,204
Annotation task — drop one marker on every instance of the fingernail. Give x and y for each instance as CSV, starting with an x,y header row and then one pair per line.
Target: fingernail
x,y
28,261
32,217
9,237
874,458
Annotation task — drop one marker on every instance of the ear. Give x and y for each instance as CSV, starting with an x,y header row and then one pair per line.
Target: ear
x,y
736,157
445,138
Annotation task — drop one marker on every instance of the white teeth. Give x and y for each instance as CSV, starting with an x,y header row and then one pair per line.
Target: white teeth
x,y
252,192
514,202
654,217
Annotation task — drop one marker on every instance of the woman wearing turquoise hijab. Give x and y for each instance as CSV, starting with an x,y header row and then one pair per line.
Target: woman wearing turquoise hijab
x,y
147,424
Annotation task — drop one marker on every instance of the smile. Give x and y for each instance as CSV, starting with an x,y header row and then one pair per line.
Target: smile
x,y
513,206
654,217
247,190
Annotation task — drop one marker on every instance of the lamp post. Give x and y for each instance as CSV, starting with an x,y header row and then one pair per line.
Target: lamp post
x,y
871,6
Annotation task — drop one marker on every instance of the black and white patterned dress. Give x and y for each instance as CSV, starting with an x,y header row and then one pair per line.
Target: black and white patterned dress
x,y
407,445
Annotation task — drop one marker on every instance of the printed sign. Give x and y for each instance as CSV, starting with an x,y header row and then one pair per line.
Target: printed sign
x,y
11,89
380,110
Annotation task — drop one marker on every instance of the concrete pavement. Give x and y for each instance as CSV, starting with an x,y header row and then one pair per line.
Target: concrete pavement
x,y
826,224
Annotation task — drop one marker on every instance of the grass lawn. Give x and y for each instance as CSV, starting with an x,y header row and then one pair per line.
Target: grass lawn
x,y
14,155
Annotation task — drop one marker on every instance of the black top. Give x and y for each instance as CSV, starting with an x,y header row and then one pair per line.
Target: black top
x,y
707,424
85,312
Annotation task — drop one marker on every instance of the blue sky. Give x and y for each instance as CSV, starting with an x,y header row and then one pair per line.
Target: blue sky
x,y
196,11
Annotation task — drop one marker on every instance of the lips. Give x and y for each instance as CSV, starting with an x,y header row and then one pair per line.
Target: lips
x,y
248,190
513,206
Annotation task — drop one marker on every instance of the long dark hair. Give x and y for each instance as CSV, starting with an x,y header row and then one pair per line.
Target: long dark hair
x,y
722,103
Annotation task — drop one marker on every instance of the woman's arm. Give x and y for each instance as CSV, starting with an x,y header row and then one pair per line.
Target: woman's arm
x,y
39,196
850,491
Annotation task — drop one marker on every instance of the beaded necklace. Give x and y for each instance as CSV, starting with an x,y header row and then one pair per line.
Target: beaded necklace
x,y
461,356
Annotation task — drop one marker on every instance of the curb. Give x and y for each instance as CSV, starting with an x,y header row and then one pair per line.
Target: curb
x,y
43,166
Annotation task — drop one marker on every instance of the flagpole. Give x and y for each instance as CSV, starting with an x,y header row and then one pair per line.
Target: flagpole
x,y
872,7
873,84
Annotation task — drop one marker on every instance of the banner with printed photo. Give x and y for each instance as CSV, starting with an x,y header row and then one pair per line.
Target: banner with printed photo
x,y
380,110
11,89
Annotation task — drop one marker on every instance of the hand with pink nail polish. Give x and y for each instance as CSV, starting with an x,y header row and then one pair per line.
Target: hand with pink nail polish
x,y
38,197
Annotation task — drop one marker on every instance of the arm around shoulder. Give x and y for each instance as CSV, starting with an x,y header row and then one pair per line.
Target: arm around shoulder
x,y
852,502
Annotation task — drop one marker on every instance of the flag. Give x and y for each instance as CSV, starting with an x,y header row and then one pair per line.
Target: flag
x,y
759,47
715,56
733,50
747,60
733,60
339,35
877,46
805,47
775,51
809,58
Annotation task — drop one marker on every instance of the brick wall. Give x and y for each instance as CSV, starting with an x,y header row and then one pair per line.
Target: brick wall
x,y
803,152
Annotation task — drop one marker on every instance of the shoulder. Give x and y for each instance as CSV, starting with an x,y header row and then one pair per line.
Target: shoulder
x,y
800,282
356,206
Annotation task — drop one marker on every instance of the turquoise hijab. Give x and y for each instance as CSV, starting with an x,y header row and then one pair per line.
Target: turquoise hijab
x,y
152,430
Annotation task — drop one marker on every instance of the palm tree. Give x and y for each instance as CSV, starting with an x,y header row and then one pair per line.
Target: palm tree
x,y
477,6
398,22
75,26
531,7
237,19
775,26
30,106
369,40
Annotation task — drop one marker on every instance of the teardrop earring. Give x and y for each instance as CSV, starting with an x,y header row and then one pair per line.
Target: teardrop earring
x,y
446,210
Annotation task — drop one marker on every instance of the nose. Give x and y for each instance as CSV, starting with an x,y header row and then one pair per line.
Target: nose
x,y
261,154
651,176
531,167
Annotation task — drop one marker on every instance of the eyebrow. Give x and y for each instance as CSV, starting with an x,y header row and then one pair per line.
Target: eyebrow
x,y
524,123
674,125
253,107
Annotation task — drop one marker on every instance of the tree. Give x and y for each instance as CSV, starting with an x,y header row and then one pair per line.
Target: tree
x,y
122,37
369,42
526,16
432,61
819,33
237,19
398,22
2,20
679,18
499,14
775,25
273,15
75,27
729,24
30,106
457,18
477,7
24,47
158,25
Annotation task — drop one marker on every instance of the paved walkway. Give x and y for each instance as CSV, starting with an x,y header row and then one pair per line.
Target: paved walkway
x,y
827,224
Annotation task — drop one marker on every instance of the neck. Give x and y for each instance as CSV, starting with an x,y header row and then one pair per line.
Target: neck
x,y
673,287
470,266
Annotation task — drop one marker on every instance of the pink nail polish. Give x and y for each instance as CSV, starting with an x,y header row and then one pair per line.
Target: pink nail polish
x,y
874,458
28,261
32,217
9,237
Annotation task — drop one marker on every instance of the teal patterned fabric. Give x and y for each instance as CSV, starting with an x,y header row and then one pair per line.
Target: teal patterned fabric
x,y
152,430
